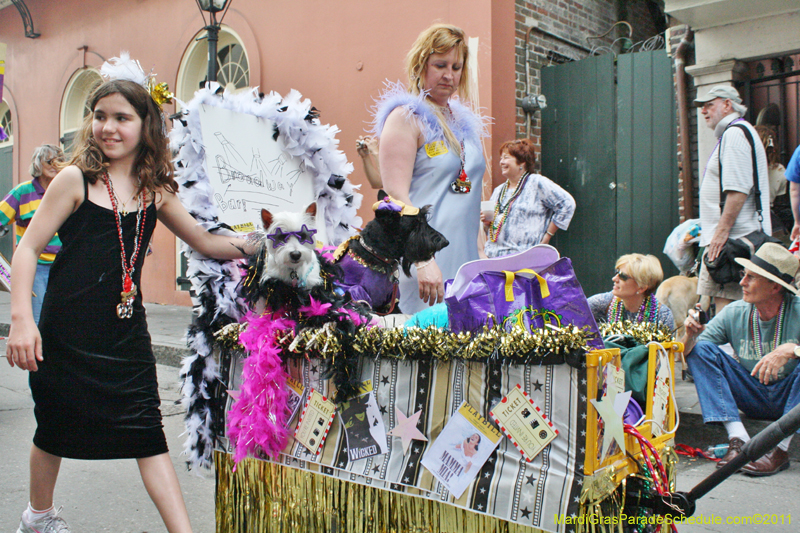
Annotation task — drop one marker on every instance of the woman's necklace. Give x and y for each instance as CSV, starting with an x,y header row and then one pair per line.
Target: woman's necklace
x,y
461,184
755,329
124,209
129,290
501,211
124,204
647,311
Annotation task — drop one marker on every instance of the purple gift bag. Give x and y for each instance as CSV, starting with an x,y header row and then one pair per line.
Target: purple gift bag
x,y
551,294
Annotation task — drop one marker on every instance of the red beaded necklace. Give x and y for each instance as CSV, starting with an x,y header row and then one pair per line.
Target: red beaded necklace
x,y
129,290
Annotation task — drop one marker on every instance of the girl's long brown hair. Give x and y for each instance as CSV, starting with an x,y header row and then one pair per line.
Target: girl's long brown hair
x,y
152,163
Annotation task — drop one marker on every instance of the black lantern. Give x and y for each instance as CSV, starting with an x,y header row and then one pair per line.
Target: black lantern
x,y
212,28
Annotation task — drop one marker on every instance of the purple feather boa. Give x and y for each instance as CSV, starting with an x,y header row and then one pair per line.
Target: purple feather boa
x,y
257,419
467,123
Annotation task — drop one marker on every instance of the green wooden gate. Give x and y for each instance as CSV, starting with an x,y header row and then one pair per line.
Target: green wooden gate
x,y
609,138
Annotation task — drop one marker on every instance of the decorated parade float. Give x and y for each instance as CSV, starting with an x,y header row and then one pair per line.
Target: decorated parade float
x,y
505,412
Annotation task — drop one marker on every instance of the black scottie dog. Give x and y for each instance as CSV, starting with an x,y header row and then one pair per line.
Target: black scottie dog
x,y
398,235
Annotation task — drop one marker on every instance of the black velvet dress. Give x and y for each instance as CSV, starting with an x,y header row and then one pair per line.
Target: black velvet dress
x,y
96,391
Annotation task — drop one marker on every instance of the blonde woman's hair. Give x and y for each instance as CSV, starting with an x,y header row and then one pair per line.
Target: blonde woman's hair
x,y
644,269
439,39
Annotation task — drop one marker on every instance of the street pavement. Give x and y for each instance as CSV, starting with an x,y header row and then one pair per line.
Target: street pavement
x,y
109,495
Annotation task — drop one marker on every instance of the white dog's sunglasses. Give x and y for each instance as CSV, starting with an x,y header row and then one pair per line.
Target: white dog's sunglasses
x,y
279,238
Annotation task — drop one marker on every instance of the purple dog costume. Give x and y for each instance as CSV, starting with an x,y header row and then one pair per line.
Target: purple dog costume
x,y
363,283
398,235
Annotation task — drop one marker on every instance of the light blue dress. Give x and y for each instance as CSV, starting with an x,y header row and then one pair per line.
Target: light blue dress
x,y
456,216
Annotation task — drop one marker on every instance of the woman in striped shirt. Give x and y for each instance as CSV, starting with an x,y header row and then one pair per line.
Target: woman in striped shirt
x,y
20,205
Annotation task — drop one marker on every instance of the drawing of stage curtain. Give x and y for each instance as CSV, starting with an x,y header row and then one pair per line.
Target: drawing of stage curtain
x,y
508,490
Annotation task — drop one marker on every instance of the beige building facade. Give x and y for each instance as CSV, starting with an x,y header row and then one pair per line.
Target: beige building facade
x,y
337,54
731,38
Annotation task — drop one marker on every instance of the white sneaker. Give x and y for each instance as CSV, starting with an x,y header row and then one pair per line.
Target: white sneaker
x,y
49,523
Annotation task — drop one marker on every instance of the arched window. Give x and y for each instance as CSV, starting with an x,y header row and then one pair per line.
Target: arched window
x,y
5,123
74,106
233,71
7,171
233,68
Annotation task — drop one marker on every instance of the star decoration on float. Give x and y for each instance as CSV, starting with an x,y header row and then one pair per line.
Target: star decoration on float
x,y
406,429
611,409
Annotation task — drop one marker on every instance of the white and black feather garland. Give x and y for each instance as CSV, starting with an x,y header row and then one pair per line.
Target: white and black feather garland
x,y
214,283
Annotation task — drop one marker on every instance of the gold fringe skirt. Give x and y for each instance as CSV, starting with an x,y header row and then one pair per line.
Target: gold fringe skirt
x,y
266,497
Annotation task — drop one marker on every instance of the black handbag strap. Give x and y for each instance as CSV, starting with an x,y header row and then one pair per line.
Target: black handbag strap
x,y
756,188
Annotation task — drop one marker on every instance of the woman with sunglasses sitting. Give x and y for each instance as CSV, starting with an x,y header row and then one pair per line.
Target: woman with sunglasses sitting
x,y
633,296
20,205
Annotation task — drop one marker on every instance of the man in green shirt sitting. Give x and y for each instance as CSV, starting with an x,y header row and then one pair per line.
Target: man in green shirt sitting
x,y
762,378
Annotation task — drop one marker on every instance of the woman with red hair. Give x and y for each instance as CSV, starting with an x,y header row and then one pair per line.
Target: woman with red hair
x,y
529,208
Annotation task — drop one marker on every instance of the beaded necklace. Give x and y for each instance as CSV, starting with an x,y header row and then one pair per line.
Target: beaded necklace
x,y
501,211
755,329
129,290
648,312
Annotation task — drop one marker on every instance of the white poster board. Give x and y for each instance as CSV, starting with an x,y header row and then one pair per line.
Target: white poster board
x,y
248,170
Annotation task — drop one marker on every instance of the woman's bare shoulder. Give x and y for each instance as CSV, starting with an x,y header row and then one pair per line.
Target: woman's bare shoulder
x,y
163,196
402,119
68,179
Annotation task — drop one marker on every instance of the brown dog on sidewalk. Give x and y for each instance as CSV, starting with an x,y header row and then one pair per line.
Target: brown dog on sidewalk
x,y
679,293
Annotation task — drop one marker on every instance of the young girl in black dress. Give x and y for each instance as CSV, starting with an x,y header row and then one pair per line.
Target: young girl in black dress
x,y
92,369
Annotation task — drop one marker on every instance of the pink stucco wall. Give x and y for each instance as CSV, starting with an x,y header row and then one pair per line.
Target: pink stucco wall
x,y
312,46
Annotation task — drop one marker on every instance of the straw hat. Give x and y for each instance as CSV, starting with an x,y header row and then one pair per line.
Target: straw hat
x,y
775,263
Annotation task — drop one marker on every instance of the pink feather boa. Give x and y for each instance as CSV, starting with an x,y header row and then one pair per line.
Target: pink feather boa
x,y
257,419
258,416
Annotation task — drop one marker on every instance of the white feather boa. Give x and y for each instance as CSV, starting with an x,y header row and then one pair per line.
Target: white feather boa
x,y
214,282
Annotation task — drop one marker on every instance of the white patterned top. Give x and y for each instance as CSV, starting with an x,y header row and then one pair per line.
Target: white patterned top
x,y
540,202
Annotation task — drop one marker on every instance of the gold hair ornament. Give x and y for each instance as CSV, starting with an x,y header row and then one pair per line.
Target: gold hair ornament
x,y
405,209
160,93
125,68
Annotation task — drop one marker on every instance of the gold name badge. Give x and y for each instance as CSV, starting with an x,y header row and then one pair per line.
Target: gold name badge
x,y
436,148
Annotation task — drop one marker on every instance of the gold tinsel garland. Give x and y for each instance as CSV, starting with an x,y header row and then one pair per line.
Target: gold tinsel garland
x,y
517,345
267,497
642,332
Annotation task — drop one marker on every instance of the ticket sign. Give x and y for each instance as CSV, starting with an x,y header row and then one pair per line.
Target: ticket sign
x,y
315,422
615,378
524,423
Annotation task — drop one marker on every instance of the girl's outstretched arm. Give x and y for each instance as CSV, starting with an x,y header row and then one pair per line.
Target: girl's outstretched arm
x,y
175,217
63,197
